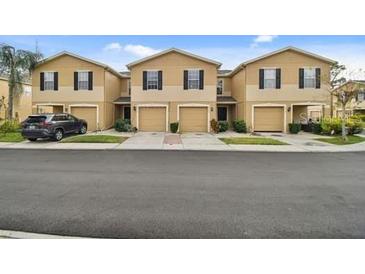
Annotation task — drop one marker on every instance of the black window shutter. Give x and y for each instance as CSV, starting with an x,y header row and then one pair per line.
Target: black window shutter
x,y
185,79
201,79
278,78
145,80
90,80
160,80
318,78
76,80
261,78
301,78
55,77
42,80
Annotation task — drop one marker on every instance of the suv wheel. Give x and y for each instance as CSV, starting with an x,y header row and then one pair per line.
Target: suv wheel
x,y
58,135
83,129
32,139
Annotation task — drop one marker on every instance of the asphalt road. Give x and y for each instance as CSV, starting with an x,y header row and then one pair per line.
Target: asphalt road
x,y
166,194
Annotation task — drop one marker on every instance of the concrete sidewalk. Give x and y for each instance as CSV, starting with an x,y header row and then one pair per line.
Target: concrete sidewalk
x,y
302,142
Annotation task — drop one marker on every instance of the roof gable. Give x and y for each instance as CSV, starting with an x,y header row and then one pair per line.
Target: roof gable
x,y
297,50
217,64
66,53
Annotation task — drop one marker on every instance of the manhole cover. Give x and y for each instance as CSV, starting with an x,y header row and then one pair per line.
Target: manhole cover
x,y
276,135
314,144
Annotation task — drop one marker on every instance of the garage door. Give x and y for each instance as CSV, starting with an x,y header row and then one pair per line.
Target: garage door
x,y
152,119
268,119
86,113
193,119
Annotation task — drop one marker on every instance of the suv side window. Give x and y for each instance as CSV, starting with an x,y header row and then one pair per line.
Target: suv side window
x,y
71,118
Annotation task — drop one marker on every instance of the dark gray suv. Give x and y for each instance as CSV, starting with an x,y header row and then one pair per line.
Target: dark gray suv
x,y
52,125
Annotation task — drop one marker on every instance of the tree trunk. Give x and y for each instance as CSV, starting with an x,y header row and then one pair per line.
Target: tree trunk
x,y
344,136
10,101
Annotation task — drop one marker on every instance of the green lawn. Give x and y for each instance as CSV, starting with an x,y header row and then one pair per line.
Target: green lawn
x,y
338,140
11,137
251,141
94,139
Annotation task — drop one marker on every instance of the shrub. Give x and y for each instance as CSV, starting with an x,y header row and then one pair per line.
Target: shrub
x,y
331,126
239,126
354,126
214,126
9,126
294,128
316,128
360,117
123,125
222,126
174,127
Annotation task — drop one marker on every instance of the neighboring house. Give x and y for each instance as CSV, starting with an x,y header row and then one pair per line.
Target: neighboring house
x,y
22,101
280,88
268,92
70,83
172,86
355,106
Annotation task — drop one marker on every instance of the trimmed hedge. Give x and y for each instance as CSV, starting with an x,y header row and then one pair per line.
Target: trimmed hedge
x,y
174,127
10,126
294,128
123,125
239,126
223,126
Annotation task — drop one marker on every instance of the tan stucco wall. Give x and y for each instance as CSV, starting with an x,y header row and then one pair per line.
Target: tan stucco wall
x,y
173,65
66,66
238,86
22,102
113,90
227,86
124,87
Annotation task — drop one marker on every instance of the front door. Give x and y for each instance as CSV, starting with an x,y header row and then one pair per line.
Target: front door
x,y
127,113
222,113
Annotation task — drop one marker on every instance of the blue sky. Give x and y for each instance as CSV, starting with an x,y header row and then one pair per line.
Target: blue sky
x,y
117,51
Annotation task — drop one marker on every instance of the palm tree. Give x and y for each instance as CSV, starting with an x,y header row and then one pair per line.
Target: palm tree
x,y
17,66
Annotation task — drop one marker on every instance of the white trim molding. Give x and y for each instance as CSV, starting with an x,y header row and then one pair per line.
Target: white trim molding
x,y
87,105
284,106
153,105
194,105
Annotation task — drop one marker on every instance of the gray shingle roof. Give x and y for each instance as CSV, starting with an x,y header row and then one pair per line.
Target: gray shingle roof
x,y
229,99
123,100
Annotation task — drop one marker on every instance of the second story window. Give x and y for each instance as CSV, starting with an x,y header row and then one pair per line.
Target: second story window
x,y
309,78
269,78
129,86
220,86
83,80
361,96
49,81
152,79
193,79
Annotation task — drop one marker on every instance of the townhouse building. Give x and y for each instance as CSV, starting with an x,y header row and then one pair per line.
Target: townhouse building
x,y
268,92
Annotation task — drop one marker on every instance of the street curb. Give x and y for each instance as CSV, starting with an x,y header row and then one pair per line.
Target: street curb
x,y
188,150
10,234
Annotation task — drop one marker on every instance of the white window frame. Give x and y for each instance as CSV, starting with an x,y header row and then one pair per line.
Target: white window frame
x,y
269,83
81,87
362,93
150,82
192,79
312,79
222,86
48,84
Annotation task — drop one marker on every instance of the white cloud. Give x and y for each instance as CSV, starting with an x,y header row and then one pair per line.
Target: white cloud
x,y
140,51
264,38
113,47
